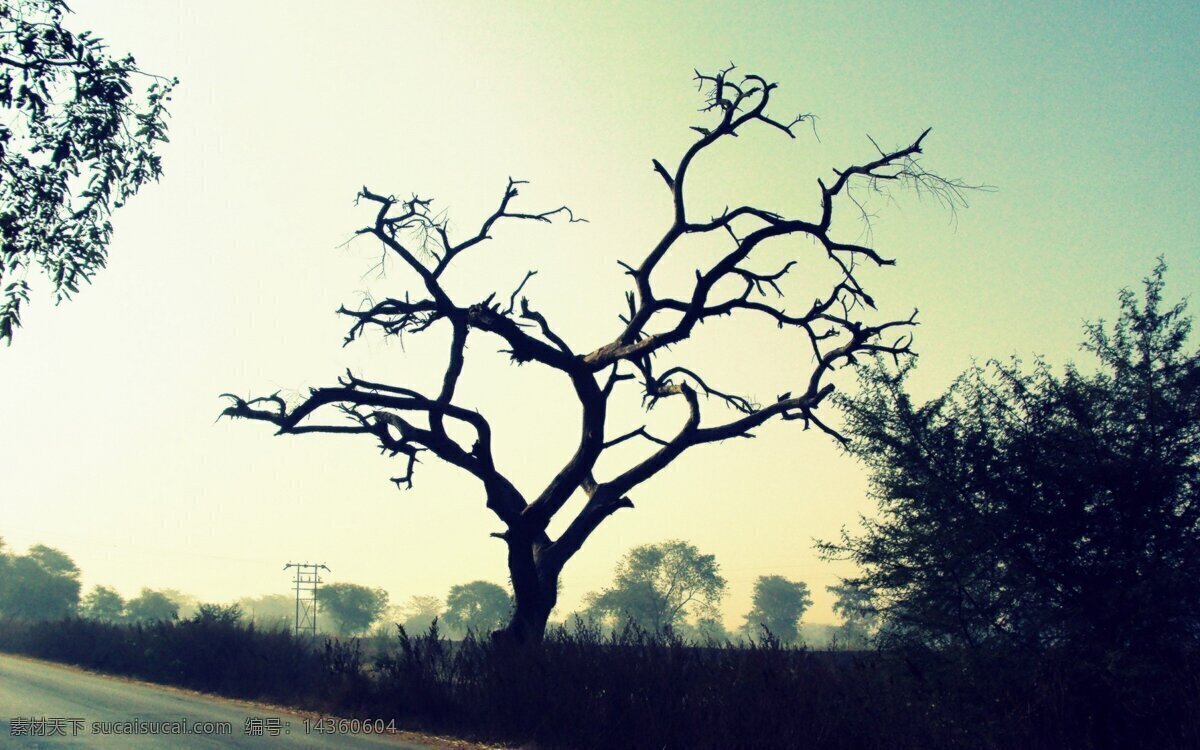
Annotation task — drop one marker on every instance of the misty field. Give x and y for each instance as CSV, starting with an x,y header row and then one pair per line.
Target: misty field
x,y
582,690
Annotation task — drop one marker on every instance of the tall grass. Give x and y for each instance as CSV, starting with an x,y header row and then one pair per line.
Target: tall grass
x,y
219,657
579,689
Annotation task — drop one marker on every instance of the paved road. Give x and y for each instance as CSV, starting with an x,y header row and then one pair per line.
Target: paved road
x,y
78,704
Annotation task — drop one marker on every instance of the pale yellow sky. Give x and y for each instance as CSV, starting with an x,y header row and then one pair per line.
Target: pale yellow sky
x,y
225,276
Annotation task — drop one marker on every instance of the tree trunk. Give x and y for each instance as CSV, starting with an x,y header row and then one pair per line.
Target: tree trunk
x,y
535,591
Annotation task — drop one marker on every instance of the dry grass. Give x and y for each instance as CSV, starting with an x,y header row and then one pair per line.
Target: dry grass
x,y
633,690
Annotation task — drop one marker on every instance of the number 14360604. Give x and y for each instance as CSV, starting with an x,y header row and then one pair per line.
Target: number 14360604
x,y
334,725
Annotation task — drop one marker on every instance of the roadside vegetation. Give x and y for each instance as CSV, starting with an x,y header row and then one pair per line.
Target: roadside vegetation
x,y
632,689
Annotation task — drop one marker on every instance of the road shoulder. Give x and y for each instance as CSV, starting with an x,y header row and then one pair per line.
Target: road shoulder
x,y
434,742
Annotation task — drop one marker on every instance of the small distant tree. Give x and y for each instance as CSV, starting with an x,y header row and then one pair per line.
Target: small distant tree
x,y
270,611
579,622
1028,509
826,311
76,141
218,614
352,607
708,629
657,586
419,612
778,605
188,605
104,604
151,606
478,607
42,584
859,618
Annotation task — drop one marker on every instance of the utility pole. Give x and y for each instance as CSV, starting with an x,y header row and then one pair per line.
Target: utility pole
x,y
307,578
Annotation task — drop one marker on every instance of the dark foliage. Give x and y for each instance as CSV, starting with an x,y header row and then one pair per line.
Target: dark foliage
x,y
75,143
1029,511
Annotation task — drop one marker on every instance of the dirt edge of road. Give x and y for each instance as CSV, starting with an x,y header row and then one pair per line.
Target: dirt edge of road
x,y
434,741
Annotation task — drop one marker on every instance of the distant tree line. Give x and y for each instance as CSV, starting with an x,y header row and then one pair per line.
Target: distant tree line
x,y
666,588
672,588
43,584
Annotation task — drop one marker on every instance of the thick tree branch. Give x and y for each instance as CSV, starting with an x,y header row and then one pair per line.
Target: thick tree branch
x,y
383,417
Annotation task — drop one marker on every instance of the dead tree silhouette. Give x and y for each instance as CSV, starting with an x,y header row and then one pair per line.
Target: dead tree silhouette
x,y
406,421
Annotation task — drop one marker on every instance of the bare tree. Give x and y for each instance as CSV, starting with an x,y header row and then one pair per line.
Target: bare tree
x,y
406,421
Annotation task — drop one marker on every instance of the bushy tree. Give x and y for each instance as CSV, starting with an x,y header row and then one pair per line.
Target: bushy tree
x,y
1033,509
657,586
77,140
104,604
150,606
778,605
352,607
479,607
42,584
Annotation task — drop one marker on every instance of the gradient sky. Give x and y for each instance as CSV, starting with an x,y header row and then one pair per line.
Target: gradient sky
x,y
225,276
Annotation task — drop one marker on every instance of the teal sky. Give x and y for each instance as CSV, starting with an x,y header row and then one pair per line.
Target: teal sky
x,y
225,276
